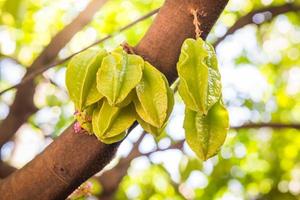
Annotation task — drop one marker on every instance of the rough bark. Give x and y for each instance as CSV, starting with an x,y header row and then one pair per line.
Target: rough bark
x,y
161,44
275,10
23,105
72,158
53,172
6,170
118,171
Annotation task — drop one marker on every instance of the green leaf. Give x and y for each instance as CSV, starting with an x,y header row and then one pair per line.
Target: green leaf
x,y
152,102
206,134
110,122
81,78
200,80
119,74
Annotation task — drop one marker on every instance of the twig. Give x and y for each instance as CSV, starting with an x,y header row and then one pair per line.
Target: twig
x,y
248,18
3,56
266,125
38,71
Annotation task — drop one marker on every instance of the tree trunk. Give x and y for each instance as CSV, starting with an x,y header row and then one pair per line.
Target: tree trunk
x,y
73,158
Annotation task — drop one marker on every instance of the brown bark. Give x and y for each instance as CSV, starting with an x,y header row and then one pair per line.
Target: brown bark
x,y
73,158
6,170
22,116
275,10
171,27
23,105
110,185
61,167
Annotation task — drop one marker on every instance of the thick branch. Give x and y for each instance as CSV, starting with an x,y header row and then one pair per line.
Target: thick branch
x,y
268,12
110,179
173,26
6,170
53,172
243,21
72,158
23,105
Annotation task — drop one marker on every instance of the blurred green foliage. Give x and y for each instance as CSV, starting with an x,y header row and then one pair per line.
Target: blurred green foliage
x,y
260,65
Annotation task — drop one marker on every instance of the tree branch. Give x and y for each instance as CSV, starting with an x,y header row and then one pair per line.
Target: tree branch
x,y
120,170
110,179
266,11
243,21
3,56
6,170
267,125
72,158
13,123
42,69
23,105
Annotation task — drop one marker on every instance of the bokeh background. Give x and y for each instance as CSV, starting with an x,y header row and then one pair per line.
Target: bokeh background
x,y
260,64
